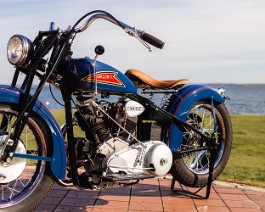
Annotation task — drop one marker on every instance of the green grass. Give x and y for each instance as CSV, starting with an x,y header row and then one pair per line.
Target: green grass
x,y
59,116
247,160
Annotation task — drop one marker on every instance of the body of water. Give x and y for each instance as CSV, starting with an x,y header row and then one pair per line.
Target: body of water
x,y
244,98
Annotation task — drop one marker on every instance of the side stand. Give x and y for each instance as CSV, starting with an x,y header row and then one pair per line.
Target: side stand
x,y
212,157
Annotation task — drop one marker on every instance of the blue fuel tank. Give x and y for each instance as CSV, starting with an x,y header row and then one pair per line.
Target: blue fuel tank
x,y
80,76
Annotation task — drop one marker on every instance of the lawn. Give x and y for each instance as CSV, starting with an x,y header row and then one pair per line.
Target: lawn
x,y
247,160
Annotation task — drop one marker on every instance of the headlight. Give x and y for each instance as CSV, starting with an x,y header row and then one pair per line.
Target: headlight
x,y
19,49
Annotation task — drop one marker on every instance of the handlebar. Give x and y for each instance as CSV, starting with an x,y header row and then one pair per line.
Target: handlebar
x,y
99,15
152,40
132,31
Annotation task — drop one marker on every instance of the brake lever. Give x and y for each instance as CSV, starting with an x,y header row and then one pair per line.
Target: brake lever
x,y
144,43
132,31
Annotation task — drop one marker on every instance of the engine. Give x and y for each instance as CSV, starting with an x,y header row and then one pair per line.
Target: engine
x,y
109,119
110,148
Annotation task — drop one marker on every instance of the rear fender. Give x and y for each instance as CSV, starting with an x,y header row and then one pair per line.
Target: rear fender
x,y
187,96
58,159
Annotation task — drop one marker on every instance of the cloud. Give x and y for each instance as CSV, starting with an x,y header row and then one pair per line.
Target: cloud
x,y
201,36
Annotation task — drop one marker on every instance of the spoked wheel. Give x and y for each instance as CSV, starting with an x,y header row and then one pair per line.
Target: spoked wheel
x,y
24,182
192,168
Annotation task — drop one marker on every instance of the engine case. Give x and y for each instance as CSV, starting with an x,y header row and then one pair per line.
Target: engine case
x,y
141,159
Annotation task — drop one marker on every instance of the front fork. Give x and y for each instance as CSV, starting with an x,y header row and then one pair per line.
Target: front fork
x,y
12,139
27,102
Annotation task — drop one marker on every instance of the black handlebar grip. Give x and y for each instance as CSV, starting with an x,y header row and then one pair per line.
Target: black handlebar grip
x,y
152,40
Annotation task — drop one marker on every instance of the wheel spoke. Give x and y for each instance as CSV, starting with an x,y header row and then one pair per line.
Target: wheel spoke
x,y
20,173
200,117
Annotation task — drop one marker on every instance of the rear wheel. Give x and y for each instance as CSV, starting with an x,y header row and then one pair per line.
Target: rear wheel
x,y
24,182
191,169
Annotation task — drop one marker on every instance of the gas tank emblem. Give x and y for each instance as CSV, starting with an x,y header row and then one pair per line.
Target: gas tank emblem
x,y
105,77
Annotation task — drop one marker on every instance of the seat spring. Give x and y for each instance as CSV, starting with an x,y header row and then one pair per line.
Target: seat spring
x,y
164,101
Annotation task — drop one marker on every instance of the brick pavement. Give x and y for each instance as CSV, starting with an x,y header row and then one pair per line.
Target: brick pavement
x,y
153,195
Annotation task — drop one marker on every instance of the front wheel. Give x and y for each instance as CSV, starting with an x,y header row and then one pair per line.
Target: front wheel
x,y
24,182
192,169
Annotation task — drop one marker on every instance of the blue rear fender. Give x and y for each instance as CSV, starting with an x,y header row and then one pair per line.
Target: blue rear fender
x,y
188,95
58,159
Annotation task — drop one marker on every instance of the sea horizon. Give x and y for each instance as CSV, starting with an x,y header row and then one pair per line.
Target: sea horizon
x,y
246,98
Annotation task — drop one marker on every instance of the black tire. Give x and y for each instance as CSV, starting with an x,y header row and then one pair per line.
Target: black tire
x,y
191,169
31,184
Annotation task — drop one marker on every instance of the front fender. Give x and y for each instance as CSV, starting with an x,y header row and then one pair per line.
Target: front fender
x,y
188,95
58,159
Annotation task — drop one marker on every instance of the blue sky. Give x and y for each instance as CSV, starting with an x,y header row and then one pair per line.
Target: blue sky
x,y
207,41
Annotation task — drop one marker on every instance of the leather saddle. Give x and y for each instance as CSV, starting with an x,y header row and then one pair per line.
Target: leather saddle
x,y
142,80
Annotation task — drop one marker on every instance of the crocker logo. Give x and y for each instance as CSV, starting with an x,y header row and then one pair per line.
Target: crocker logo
x,y
130,108
104,77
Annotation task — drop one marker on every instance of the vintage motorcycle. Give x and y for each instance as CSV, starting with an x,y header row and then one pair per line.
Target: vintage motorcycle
x,y
123,135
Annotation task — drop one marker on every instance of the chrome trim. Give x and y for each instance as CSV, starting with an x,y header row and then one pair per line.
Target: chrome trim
x,y
221,91
92,19
132,31
26,48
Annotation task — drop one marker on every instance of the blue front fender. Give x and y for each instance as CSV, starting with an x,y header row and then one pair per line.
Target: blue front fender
x,y
58,159
188,95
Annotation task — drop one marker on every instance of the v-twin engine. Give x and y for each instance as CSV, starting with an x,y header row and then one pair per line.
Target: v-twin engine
x,y
110,151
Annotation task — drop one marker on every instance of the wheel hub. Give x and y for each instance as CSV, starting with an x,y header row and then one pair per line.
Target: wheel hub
x,y
11,171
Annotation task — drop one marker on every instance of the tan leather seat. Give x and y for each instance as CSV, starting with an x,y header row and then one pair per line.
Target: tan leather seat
x,y
142,80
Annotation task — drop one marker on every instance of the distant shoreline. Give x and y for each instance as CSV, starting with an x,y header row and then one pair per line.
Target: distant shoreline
x,y
244,98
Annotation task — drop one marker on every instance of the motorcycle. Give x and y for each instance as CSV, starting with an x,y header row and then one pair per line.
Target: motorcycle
x,y
123,137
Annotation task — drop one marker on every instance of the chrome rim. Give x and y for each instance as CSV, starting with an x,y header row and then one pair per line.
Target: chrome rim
x,y
21,176
202,119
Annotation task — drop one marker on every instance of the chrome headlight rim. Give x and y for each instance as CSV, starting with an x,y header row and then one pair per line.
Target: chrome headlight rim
x,y
26,50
